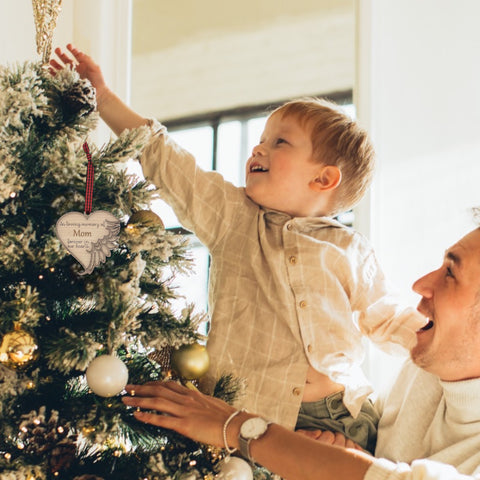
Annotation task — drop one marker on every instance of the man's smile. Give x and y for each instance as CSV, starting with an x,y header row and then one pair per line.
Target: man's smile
x,y
428,326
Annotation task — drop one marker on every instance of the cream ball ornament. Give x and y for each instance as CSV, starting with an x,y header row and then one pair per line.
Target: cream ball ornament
x,y
235,468
107,375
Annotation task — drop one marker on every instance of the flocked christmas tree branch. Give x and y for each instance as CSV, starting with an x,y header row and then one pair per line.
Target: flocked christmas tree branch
x,y
55,320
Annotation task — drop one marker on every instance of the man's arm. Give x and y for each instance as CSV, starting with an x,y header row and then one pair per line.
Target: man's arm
x,y
116,114
282,451
290,455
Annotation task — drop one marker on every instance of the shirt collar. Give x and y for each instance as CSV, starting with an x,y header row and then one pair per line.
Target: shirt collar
x,y
303,223
462,399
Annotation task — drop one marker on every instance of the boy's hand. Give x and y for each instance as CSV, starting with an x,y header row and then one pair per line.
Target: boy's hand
x,y
83,64
116,114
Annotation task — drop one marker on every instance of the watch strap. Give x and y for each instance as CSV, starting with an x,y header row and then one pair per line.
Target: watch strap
x,y
244,447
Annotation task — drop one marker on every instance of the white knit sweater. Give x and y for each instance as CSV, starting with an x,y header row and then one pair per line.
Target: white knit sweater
x,y
429,429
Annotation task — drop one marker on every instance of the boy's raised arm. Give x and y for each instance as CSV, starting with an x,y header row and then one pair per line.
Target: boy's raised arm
x,y
115,113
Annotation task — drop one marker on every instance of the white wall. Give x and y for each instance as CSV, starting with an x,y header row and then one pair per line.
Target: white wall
x,y
287,57
419,96
419,86
17,32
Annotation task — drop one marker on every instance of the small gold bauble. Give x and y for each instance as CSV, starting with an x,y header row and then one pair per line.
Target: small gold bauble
x,y
19,349
190,362
144,218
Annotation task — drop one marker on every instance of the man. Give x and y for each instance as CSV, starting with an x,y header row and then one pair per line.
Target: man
x,y
430,421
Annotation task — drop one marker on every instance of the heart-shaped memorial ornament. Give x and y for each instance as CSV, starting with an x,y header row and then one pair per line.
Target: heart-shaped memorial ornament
x,y
88,238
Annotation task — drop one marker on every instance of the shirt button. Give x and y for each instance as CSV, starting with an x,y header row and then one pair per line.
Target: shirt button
x,y
293,260
289,226
303,304
309,349
297,391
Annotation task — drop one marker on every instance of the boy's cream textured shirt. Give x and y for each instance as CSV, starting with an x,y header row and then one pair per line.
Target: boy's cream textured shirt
x,y
283,291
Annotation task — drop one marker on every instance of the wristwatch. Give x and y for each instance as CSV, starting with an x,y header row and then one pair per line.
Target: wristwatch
x,y
251,429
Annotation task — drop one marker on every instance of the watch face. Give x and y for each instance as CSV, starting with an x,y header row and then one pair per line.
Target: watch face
x,y
253,427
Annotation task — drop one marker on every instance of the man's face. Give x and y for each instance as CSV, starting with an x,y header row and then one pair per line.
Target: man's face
x,y
449,346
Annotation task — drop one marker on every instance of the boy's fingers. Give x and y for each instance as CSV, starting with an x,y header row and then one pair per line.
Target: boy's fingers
x,y
63,57
55,64
74,51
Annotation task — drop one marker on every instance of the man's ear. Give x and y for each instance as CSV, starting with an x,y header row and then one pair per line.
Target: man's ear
x,y
327,178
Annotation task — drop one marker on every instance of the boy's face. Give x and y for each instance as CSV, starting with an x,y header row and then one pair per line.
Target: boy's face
x,y
281,167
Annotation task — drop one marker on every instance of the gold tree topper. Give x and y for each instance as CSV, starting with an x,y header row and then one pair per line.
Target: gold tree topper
x,y
45,13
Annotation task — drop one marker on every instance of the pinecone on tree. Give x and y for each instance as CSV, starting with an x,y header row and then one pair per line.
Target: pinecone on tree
x,y
50,438
78,100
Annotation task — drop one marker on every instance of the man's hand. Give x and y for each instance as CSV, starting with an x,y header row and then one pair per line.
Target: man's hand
x,y
189,412
330,438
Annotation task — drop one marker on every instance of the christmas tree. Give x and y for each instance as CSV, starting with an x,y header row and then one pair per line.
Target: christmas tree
x,y
70,335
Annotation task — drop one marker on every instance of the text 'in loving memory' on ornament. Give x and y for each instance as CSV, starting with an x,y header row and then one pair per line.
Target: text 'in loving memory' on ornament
x,y
88,238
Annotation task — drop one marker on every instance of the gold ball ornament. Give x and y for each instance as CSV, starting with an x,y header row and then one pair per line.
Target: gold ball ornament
x,y
19,349
190,362
144,218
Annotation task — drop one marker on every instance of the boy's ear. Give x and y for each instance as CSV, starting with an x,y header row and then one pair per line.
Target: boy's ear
x,y
328,178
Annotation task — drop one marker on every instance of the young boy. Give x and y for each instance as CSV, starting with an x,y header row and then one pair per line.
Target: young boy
x,y
292,291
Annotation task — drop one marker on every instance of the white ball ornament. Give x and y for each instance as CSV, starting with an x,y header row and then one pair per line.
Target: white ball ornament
x,y
235,468
107,375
